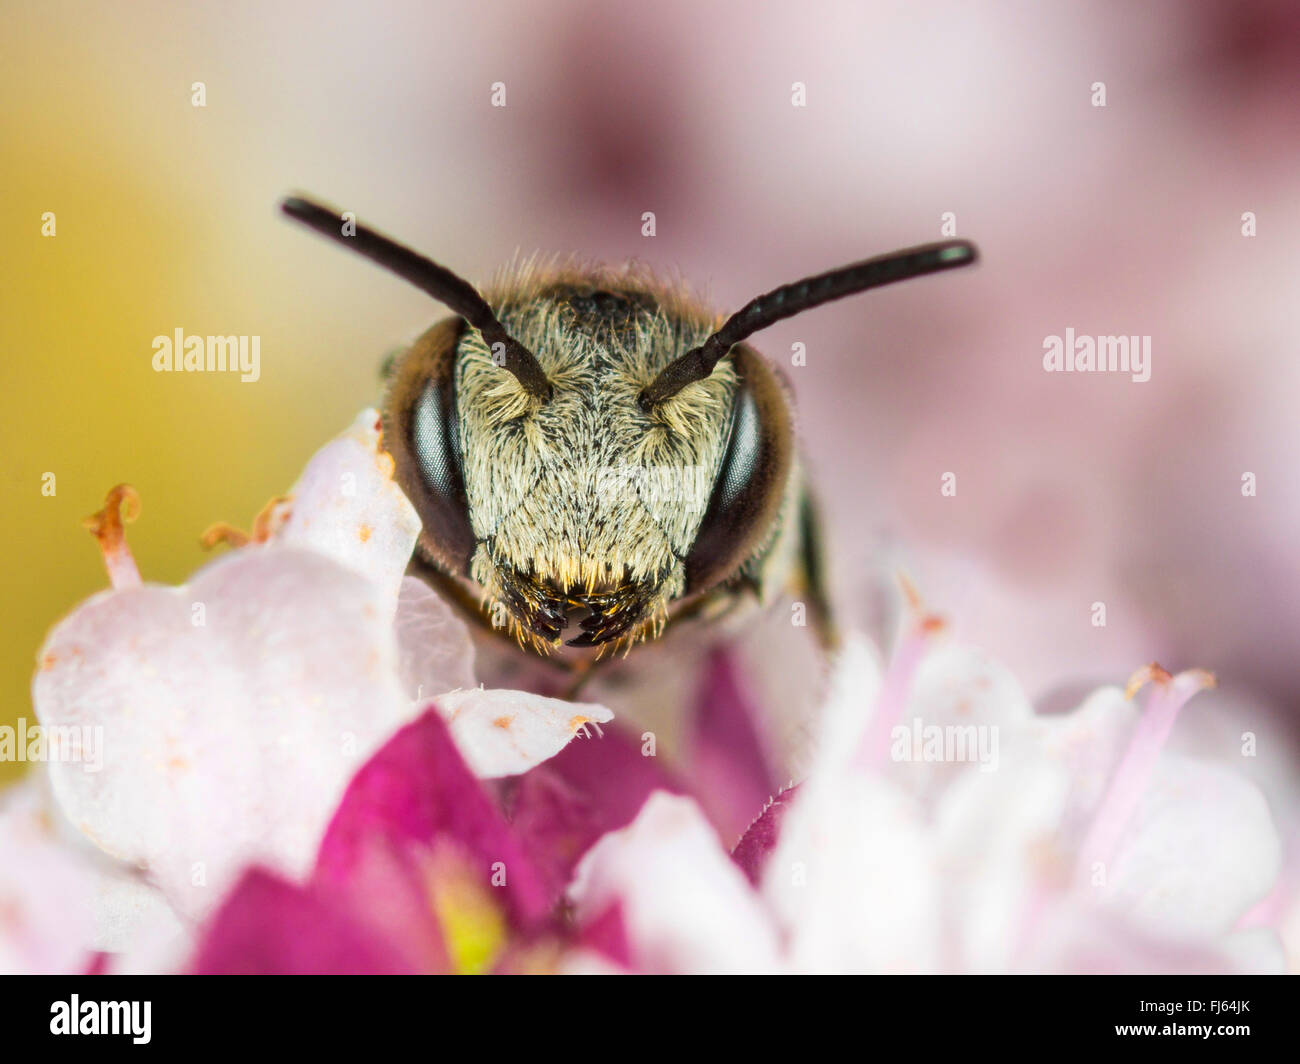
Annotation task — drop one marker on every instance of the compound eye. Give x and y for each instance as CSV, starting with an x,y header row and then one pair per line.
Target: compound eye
x,y
751,481
425,443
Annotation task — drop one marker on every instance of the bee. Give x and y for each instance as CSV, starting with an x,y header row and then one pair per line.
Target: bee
x,y
594,455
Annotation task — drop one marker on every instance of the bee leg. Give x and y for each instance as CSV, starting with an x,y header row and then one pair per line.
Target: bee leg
x,y
812,573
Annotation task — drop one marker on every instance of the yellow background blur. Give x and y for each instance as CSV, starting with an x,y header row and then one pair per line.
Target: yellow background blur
x,y
166,217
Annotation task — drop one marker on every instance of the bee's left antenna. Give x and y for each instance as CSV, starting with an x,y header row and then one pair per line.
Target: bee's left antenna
x,y
791,299
438,281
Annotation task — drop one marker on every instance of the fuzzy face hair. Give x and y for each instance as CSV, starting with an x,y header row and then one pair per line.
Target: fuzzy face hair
x,y
587,503
633,454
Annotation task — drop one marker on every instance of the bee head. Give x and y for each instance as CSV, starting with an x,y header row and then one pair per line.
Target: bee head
x,y
587,447
582,517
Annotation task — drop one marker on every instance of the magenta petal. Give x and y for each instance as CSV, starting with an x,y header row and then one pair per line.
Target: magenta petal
x,y
417,791
606,934
592,786
268,926
758,842
731,770
387,889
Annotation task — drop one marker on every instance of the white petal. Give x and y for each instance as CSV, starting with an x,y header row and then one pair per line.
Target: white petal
x,y
347,506
504,733
116,911
1289,928
854,687
1200,851
46,892
1077,937
853,880
687,907
999,858
963,703
1087,743
1257,951
230,741
434,649
960,684
135,924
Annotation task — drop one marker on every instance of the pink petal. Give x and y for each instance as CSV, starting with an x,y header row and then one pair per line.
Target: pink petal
x,y
268,926
418,790
760,838
606,935
727,760
387,888
589,788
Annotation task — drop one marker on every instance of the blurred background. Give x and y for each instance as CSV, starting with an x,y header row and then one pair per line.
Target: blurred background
x,y
1071,489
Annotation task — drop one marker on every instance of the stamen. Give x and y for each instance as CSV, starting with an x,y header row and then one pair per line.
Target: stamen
x,y
1131,778
269,520
271,517
223,533
896,685
121,504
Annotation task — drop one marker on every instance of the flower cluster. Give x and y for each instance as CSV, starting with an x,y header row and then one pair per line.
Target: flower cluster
x,y
301,774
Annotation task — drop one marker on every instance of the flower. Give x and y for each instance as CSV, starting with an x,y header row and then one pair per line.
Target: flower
x,y
299,765
1086,847
236,708
417,872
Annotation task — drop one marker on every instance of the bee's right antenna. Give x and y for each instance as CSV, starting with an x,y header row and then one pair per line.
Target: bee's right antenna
x,y
437,281
795,298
